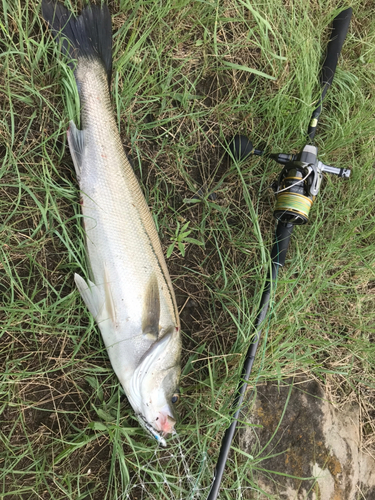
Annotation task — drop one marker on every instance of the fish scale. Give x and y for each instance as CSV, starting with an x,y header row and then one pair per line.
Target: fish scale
x,y
130,293
107,182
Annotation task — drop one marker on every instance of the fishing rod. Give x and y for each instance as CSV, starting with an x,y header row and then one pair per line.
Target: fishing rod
x,y
296,190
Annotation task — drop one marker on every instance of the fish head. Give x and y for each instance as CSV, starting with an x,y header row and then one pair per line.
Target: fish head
x,y
154,386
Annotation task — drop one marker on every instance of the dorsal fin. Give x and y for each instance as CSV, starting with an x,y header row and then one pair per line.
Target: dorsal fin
x,y
151,309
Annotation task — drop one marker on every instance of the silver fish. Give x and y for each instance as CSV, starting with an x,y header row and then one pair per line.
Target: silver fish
x,y
130,293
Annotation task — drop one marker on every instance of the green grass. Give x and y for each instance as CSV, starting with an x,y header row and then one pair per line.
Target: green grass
x,y
187,77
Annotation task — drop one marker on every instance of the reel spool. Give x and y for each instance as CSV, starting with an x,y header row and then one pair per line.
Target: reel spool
x,y
292,204
298,184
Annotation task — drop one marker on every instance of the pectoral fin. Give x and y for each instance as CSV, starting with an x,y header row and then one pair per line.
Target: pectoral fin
x,y
91,295
151,309
111,309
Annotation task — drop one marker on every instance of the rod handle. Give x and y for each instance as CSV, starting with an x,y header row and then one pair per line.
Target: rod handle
x,y
282,240
340,28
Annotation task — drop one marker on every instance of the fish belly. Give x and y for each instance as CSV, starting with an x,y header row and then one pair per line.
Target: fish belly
x,y
123,247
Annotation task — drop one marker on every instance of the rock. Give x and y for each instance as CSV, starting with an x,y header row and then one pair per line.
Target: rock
x,y
311,449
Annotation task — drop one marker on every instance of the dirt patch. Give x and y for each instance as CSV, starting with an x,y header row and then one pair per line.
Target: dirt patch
x,y
314,448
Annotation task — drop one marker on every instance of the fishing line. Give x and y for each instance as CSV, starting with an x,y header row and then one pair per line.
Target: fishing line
x,y
200,472
295,184
180,475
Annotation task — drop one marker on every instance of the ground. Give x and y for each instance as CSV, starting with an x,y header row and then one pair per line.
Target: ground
x,y
187,77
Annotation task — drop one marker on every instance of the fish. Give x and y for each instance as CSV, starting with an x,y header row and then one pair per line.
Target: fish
x,y
129,290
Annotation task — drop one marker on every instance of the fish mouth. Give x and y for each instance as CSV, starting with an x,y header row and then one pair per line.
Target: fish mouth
x,y
152,431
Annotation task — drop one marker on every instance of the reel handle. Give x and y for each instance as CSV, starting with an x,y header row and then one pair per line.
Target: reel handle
x,y
241,148
340,172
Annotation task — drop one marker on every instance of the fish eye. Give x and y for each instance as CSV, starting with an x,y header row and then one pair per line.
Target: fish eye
x,y
175,398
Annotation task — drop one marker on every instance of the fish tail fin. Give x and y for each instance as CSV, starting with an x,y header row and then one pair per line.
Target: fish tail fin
x,y
88,36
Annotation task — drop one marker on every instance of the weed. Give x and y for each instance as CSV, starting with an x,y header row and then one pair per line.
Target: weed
x,y
187,77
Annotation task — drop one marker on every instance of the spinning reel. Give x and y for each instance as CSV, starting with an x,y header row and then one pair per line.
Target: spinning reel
x,y
298,183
